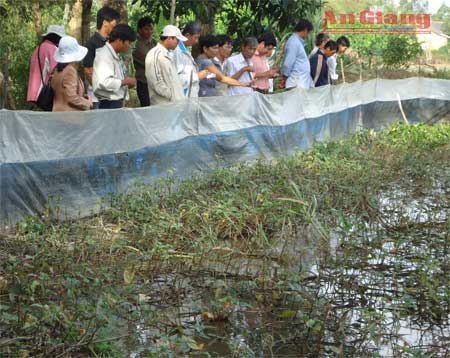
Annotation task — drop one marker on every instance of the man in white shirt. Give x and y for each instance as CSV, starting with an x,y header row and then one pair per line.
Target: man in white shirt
x,y
343,44
240,67
164,85
108,80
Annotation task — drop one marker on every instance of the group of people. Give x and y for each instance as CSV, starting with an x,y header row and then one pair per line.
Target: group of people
x,y
166,71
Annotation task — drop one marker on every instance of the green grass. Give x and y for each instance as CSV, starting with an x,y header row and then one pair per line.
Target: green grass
x,y
242,240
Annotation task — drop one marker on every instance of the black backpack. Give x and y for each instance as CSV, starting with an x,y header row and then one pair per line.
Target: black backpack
x,y
45,98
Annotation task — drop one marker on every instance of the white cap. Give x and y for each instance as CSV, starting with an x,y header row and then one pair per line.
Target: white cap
x,y
69,50
173,31
55,29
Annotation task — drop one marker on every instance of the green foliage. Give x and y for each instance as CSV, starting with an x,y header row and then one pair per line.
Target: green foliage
x,y
414,6
399,51
442,53
445,28
351,6
440,73
386,51
243,18
442,14
17,45
22,41
240,18
203,10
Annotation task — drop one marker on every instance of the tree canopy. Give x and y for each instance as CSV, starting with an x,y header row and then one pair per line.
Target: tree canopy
x,y
414,6
240,17
443,14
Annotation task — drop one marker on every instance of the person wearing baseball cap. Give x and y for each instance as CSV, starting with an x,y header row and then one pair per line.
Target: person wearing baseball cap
x,y
69,94
42,62
173,31
164,86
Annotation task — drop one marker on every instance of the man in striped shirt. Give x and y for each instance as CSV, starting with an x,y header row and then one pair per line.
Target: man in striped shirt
x,y
319,67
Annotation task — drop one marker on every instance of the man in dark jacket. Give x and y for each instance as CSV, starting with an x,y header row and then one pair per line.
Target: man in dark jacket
x,y
144,44
107,18
319,67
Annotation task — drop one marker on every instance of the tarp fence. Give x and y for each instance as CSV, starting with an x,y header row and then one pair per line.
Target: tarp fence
x,y
75,159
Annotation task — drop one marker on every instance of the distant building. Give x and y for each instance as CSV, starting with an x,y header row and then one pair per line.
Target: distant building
x,y
433,41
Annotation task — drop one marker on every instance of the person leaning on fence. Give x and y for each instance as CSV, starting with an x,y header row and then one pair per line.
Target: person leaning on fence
x,y
107,18
42,62
240,67
296,69
69,94
108,80
187,68
209,47
144,44
261,69
320,41
319,67
164,85
343,44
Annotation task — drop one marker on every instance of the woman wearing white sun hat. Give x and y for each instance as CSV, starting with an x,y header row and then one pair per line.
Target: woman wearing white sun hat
x,y
67,85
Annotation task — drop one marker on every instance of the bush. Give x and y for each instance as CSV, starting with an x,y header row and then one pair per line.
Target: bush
x,y
442,53
399,51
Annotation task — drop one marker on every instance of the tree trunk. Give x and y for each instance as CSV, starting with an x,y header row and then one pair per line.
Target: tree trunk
x,y
76,21
37,17
120,6
6,99
2,90
172,11
66,13
207,28
86,21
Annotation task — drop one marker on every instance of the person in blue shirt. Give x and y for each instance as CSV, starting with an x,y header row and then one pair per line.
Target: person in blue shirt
x,y
319,68
296,69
